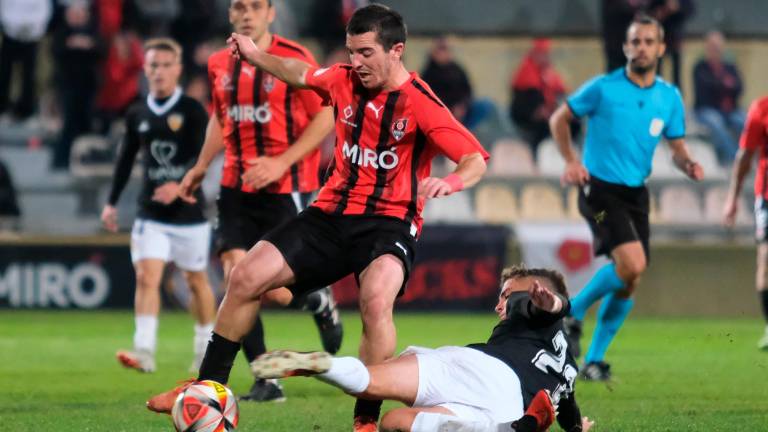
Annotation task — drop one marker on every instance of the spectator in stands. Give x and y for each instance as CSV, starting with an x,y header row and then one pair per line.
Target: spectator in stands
x,y
77,49
9,206
447,78
191,28
154,17
120,78
329,21
537,89
717,87
23,24
616,16
672,14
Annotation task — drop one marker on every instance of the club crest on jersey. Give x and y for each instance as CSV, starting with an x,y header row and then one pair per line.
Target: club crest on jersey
x,y
225,82
268,82
398,128
175,121
143,126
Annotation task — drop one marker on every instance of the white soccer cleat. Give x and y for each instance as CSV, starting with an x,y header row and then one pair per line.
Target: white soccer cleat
x,y
140,360
281,364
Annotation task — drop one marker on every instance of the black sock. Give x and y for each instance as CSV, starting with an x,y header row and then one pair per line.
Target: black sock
x,y
253,342
368,408
526,423
218,360
764,299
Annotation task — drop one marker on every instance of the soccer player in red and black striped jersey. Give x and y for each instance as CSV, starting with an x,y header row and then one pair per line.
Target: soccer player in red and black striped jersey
x,y
269,133
754,140
389,126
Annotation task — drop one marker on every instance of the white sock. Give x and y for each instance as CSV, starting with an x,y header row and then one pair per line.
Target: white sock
x,y
202,336
145,337
348,374
436,422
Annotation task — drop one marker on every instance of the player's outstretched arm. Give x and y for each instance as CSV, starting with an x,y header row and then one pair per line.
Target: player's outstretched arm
x,y
683,160
289,70
741,167
560,127
213,145
267,169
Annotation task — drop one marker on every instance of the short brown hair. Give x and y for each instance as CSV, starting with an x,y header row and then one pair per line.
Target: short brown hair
x,y
163,44
643,19
555,278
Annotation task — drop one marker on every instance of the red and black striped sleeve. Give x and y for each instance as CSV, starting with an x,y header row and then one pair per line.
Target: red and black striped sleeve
x,y
322,80
443,131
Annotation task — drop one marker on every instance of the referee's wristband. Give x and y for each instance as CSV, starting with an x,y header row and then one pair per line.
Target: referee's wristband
x,y
455,182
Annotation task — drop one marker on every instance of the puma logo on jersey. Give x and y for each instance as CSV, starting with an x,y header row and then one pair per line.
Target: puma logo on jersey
x,y
249,113
368,157
373,108
400,245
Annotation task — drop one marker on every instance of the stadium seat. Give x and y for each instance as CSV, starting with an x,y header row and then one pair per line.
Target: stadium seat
x,y
55,212
663,168
496,204
713,207
680,205
454,208
541,201
550,161
511,158
29,168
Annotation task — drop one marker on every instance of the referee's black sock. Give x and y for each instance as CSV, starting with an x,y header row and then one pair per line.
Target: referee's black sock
x,y
253,342
764,300
368,408
218,360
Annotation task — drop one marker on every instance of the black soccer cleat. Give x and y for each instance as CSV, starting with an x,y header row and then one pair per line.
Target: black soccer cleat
x,y
264,390
596,371
327,319
572,328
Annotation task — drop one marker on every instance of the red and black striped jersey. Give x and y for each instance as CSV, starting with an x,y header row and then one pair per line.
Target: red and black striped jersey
x,y
385,143
261,116
755,137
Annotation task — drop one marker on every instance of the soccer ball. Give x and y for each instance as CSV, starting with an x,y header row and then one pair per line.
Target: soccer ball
x,y
205,406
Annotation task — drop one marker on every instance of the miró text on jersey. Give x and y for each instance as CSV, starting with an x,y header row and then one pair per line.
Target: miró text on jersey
x,y
250,113
368,157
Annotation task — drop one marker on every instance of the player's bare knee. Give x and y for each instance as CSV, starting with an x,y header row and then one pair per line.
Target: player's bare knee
x,y
394,421
241,285
376,311
145,280
630,270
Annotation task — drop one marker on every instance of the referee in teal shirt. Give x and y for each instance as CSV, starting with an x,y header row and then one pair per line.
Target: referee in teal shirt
x,y
629,110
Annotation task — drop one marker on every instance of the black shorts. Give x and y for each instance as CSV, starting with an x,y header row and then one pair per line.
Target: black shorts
x,y
616,214
761,220
244,217
322,248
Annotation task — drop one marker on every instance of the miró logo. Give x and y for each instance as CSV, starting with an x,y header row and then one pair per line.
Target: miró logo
x,y
368,157
249,113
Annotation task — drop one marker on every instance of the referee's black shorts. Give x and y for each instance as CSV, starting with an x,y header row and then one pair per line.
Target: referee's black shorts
x,y
616,214
322,248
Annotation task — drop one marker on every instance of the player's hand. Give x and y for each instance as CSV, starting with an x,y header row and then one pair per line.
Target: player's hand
x,y
586,424
729,211
434,187
189,184
263,170
694,171
167,193
242,46
109,218
575,174
544,299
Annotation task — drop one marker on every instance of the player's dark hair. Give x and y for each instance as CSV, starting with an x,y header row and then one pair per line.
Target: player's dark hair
x,y
555,278
643,19
386,23
163,44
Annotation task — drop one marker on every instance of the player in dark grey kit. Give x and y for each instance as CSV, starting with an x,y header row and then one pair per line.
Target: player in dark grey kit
x,y
510,383
169,128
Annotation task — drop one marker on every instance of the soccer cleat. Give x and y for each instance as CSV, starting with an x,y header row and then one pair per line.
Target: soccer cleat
x,y
281,364
327,319
763,342
596,371
140,360
365,424
542,409
264,390
572,328
163,402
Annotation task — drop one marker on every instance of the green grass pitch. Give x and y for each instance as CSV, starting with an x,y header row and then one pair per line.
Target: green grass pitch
x,y
58,373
